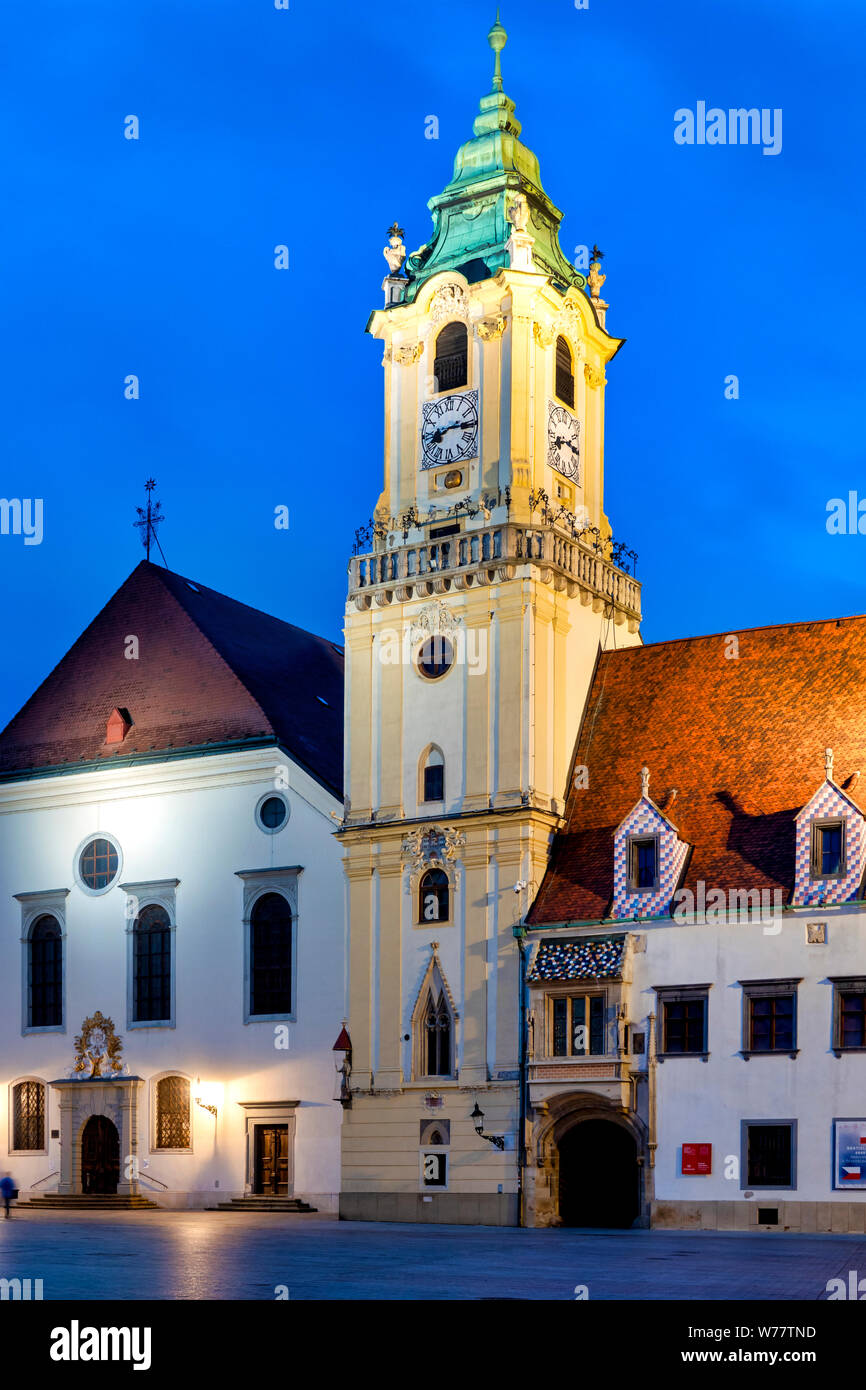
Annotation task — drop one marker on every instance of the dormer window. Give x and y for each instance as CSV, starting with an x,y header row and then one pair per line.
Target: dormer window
x,y
643,864
450,365
564,373
828,849
118,725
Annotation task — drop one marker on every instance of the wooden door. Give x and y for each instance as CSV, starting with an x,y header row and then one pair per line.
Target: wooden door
x,y
272,1161
100,1157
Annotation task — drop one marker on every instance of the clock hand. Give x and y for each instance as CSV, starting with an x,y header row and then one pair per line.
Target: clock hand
x,y
442,431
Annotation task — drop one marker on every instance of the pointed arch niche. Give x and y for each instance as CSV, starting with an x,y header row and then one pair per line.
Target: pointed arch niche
x,y
434,1027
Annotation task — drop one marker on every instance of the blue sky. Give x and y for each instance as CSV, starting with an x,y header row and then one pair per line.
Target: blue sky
x,y
259,388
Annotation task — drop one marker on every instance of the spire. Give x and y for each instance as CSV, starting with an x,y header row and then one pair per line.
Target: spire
x,y
497,38
471,224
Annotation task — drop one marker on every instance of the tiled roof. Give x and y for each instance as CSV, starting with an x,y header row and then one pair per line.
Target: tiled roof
x,y
578,960
209,671
740,738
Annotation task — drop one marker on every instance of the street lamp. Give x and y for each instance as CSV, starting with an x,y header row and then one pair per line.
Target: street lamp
x,y
477,1118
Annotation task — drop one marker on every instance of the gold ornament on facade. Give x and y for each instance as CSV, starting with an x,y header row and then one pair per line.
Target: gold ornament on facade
x,y
543,334
491,328
595,376
97,1046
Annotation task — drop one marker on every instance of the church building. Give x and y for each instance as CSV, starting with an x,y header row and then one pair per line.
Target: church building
x,y
172,910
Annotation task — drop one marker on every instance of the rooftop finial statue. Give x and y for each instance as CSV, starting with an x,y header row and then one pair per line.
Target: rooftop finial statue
x,y
644,781
828,763
518,212
395,251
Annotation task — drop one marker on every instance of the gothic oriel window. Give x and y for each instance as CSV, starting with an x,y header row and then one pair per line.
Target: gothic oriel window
x,y
451,361
172,1113
45,974
152,966
271,956
436,1042
433,776
433,897
564,373
28,1116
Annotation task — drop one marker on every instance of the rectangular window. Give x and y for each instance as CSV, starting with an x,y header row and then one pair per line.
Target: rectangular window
x,y
643,865
577,1026
684,1025
771,1023
828,849
849,1013
769,1150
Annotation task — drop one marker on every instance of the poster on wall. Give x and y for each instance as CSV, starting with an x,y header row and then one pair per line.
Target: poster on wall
x,y
849,1154
697,1159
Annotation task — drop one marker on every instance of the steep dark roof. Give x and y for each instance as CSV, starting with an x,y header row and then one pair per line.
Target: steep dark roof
x,y
209,671
741,739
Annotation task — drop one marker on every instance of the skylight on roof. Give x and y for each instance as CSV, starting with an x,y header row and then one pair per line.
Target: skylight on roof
x,y
194,587
322,701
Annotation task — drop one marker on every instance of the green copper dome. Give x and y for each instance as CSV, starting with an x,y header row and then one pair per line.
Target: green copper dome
x,y
470,226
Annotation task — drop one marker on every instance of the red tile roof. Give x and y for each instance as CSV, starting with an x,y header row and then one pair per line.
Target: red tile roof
x,y
209,671
741,740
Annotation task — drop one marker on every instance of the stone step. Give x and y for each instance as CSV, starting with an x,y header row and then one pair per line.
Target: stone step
x,y
257,1203
82,1201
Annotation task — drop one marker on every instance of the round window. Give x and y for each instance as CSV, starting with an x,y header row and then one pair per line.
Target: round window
x,y
435,657
98,864
272,813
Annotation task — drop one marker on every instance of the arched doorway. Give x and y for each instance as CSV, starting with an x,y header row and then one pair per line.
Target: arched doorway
x,y
100,1157
599,1183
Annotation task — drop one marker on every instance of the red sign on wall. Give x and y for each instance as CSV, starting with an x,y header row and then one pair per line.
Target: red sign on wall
x,y
697,1158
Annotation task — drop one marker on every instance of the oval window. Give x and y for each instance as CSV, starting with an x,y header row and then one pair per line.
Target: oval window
x,y
435,657
272,813
98,864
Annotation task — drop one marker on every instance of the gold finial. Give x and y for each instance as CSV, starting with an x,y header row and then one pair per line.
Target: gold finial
x,y
497,39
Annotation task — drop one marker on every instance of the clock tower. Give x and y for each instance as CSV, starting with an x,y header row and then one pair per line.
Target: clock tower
x,y
479,598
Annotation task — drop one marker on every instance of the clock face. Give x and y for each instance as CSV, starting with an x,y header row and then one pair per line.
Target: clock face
x,y
449,429
563,441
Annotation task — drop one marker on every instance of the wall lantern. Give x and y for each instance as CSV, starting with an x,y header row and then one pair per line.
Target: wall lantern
x,y
477,1118
208,1094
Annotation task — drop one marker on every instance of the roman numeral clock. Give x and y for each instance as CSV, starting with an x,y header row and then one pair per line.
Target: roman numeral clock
x,y
563,441
449,429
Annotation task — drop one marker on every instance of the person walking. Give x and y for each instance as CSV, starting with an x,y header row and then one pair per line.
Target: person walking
x,y
7,1191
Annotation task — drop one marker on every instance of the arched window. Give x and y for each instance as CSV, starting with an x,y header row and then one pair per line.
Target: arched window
x,y
564,373
433,897
450,366
172,1113
28,1115
436,1042
271,956
433,776
45,974
151,966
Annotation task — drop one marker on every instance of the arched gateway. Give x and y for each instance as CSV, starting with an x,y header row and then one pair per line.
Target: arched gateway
x,y
100,1157
587,1164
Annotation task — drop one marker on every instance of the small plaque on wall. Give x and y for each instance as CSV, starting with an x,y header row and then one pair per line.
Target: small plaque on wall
x,y
697,1159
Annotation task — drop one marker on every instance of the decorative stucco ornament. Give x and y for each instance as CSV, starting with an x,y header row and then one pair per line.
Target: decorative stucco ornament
x,y
490,329
97,1046
432,848
449,301
434,620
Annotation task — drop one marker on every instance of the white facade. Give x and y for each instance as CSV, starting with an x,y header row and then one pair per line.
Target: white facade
x,y
189,840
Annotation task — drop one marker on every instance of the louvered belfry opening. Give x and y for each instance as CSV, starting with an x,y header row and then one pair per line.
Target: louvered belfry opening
x,y
564,373
450,366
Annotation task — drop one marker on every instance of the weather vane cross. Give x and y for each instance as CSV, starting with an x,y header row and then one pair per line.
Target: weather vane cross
x,y
149,518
